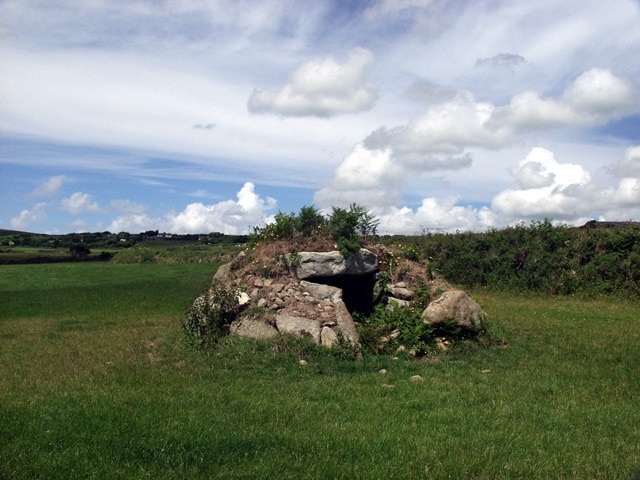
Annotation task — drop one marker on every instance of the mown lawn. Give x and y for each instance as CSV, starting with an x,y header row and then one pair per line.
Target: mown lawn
x,y
96,382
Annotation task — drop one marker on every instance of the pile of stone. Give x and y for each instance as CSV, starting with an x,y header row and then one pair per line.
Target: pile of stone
x,y
315,298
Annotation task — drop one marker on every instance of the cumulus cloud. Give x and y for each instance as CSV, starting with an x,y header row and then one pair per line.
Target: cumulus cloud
x,y
442,138
627,194
464,122
436,214
231,217
439,138
547,188
629,166
445,128
367,177
543,188
48,188
322,87
27,217
593,98
132,218
78,203
529,111
598,94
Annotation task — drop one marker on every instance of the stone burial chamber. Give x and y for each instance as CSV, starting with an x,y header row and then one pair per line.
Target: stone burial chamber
x,y
313,294
355,276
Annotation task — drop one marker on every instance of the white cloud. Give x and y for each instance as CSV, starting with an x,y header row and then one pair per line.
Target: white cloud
x,y
594,97
322,87
78,203
463,122
366,177
48,188
446,128
229,217
598,93
159,91
543,187
528,111
533,174
435,214
27,218
232,217
132,218
547,188
440,138
77,225
629,166
627,194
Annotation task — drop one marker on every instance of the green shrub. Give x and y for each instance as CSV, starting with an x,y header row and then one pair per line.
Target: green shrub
x,y
211,315
309,221
388,328
342,226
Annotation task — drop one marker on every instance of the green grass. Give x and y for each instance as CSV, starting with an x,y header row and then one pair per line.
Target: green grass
x,y
96,382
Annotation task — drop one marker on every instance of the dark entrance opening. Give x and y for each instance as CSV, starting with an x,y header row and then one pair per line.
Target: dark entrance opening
x,y
357,290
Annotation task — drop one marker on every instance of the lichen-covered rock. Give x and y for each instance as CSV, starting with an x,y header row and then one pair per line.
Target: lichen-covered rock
x,y
222,273
328,337
324,292
400,291
329,264
299,326
393,302
346,325
253,328
457,306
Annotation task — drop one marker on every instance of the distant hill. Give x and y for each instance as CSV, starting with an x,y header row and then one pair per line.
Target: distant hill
x,y
4,232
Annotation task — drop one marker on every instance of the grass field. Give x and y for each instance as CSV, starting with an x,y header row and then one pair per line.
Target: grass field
x,y
96,382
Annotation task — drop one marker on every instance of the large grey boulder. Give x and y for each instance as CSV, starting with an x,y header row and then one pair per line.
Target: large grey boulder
x,y
253,328
455,305
330,264
299,326
346,325
223,272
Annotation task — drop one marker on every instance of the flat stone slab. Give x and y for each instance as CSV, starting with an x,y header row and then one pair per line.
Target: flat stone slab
x,y
329,264
299,326
251,328
324,292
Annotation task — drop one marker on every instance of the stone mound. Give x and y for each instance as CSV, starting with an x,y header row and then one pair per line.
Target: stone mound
x,y
313,293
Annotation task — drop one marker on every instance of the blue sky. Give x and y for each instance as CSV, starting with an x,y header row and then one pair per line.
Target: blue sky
x,y
193,116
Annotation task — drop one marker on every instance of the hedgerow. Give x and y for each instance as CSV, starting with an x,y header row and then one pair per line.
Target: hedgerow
x,y
540,257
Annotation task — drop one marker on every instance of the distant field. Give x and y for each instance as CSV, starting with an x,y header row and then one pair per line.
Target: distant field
x,y
159,251
96,382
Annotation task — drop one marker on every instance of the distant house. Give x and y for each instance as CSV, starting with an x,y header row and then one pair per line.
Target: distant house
x,y
598,224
